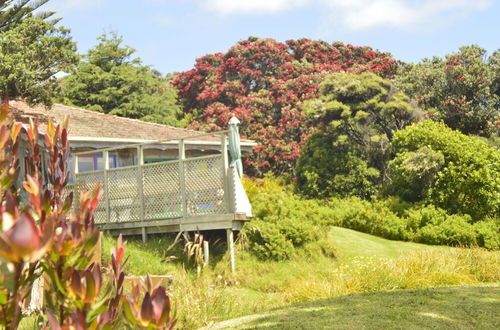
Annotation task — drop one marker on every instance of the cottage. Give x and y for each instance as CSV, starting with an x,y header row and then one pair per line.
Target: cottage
x,y
155,178
91,130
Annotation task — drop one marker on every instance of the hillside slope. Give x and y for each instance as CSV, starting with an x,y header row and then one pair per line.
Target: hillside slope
x,y
474,307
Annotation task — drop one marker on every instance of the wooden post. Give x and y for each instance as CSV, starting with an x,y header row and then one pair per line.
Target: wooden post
x,y
140,190
230,247
76,166
106,187
206,253
182,177
225,176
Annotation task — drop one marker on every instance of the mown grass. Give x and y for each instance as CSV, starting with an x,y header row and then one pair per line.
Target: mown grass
x,y
350,244
437,308
364,263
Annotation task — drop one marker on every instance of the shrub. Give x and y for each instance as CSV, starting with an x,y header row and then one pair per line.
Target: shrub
x,y
268,242
461,173
488,234
369,217
298,232
282,221
424,224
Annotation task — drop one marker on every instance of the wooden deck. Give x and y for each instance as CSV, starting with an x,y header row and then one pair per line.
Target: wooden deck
x,y
187,194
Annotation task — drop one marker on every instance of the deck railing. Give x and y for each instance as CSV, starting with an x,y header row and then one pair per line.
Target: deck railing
x,y
183,188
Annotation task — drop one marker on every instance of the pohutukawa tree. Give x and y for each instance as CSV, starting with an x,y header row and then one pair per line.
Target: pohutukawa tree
x,y
264,82
463,89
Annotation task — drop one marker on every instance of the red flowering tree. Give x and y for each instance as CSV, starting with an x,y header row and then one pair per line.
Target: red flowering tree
x,y
463,89
264,82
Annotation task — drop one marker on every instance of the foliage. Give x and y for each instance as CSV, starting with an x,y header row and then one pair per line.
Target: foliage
x,y
413,173
37,238
329,169
31,53
264,82
283,223
109,80
13,12
358,115
373,218
460,174
462,89
193,248
424,224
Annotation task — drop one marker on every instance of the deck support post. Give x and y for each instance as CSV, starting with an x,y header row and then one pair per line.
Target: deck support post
x,y
230,247
206,253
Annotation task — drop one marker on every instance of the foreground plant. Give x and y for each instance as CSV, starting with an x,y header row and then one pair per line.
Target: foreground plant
x,y
38,235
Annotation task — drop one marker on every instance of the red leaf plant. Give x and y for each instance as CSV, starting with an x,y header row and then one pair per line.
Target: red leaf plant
x,y
41,238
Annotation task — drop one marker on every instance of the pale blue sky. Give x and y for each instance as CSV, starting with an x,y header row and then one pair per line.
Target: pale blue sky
x,y
171,34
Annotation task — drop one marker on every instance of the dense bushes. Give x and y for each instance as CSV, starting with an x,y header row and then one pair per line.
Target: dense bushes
x,y
282,221
424,224
285,224
446,168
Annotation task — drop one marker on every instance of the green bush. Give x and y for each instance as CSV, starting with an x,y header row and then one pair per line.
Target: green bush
x,y
369,217
488,234
460,174
267,242
432,225
424,224
283,222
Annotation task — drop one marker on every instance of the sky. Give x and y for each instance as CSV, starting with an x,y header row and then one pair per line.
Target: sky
x,y
170,34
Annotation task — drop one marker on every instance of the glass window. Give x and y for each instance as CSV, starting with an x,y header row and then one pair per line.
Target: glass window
x,y
100,161
86,163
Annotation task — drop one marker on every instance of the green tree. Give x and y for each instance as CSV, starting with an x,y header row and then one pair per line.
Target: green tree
x,y
463,89
360,114
31,53
110,80
14,12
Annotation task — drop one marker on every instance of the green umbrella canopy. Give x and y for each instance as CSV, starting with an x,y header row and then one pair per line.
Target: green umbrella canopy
x,y
234,146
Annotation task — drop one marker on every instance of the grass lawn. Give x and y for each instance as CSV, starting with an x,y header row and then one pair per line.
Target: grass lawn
x,y
351,243
475,307
364,272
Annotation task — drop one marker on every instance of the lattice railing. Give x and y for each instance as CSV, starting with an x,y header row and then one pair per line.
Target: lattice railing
x,y
204,186
123,195
171,189
162,190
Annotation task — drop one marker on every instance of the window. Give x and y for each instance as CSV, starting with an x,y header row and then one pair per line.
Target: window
x,y
89,163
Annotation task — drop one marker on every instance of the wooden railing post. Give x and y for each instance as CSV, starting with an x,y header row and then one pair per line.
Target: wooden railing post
x,y
225,174
106,187
76,188
140,190
182,176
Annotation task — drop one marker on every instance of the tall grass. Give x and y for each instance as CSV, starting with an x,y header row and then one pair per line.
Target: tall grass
x,y
218,295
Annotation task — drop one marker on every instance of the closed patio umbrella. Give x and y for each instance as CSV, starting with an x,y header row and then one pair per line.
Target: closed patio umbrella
x,y
234,146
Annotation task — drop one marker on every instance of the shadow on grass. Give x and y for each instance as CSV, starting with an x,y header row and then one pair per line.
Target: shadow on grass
x,y
442,308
